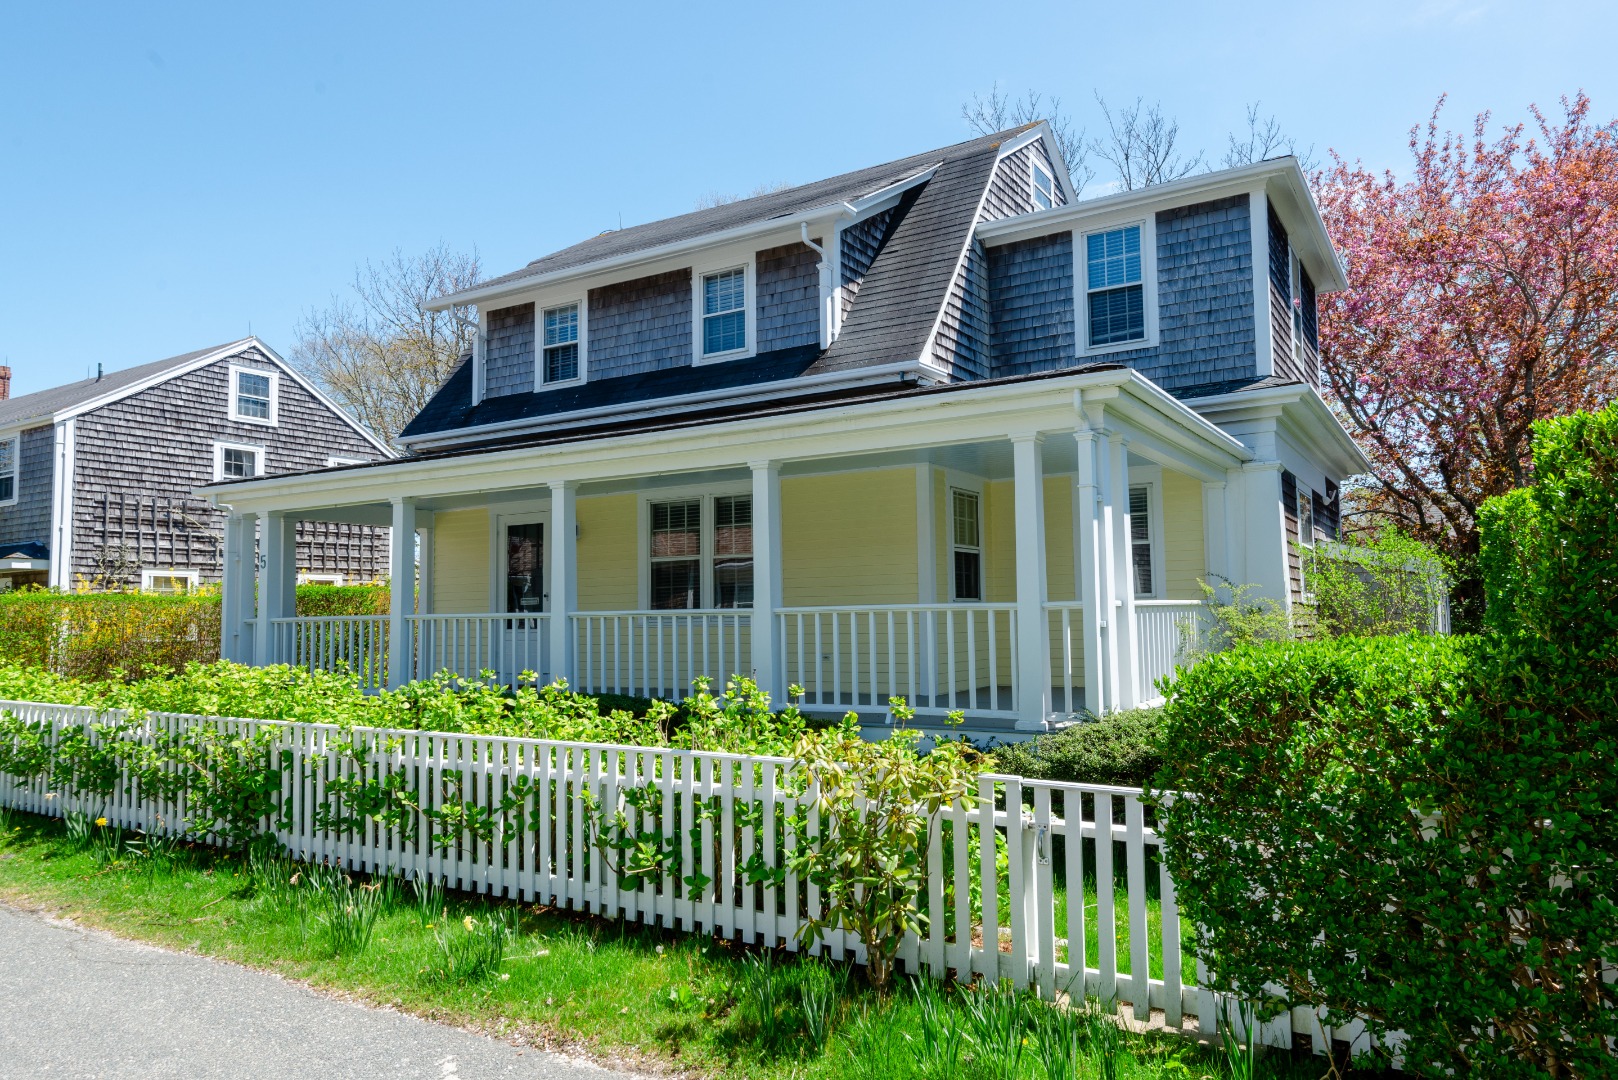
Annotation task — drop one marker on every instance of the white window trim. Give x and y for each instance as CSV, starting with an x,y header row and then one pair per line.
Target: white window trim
x,y
193,578
540,307
1034,169
219,449
339,462
643,547
320,579
16,468
236,371
954,483
747,264
1151,478
1148,277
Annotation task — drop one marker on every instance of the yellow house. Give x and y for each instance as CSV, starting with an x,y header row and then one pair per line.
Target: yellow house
x,y
931,431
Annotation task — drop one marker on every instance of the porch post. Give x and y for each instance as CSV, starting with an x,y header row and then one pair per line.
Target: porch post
x,y
1087,553
401,591
564,577
1215,562
234,594
424,573
1125,634
277,594
1263,533
766,577
1108,617
1033,644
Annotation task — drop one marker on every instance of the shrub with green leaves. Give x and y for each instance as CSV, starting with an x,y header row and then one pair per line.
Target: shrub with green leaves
x,y
1423,831
1118,748
1385,584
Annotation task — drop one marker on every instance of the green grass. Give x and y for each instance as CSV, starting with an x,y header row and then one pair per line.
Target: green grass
x,y
625,994
1121,936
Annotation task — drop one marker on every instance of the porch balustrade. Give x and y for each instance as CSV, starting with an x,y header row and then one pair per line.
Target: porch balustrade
x,y
508,645
354,643
660,653
1166,632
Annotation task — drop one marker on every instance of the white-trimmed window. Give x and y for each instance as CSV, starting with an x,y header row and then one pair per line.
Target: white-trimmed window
x,y
255,395
320,579
722,299
700,552
560,359
338,462
1115,287
235,461
966,544
1044,188
169,582
10,452
1142,566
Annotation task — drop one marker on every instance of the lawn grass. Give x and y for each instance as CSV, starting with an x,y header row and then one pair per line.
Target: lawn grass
x,y
631,995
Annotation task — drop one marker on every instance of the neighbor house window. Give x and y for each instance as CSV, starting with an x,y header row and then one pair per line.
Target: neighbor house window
x,y
232,462
966,527
1114,286
1140,539
168,582
9,450
320,579
1044,189
253,395
724,311
701,553
561,343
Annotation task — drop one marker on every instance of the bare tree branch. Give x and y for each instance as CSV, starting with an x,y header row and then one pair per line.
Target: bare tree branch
x,y
1140,145
1265,140
720,198
998,112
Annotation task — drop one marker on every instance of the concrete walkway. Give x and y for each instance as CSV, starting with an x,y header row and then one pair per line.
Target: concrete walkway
x,y
79,1003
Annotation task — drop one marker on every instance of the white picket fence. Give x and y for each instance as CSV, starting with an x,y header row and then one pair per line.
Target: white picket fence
x,y
1032,923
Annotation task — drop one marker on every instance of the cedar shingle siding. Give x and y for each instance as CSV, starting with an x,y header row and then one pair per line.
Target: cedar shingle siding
x,y
509,353
1031,305
861,241
29,519
788,287
641,325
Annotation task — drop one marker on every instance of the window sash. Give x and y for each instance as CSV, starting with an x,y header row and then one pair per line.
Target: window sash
x,y
1044,189
253,395
701,553
238,464
724,311
966,535
1115,286
1140,540
10,450
1306,517
561,343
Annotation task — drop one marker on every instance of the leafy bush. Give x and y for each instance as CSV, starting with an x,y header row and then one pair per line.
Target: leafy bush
x,y
1420,831
1387,584
1118,748
316,600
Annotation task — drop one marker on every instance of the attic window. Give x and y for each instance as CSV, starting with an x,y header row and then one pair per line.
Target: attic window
x,y
561,343
1044,188
8,469
254,395
724,311
232,461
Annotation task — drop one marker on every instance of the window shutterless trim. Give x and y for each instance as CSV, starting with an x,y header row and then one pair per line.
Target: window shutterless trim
x,y
1046,193
1148,285
973,551
219,449
236,396
707,555
192,578
748,310
542,350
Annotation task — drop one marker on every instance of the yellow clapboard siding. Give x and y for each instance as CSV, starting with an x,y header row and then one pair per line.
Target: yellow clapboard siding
x,y
461,561
1059,538
608,553
849,539
1183,556
999,542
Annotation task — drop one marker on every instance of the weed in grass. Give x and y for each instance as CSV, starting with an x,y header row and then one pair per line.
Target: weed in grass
x,y
997,1023
1106,1038
429,897
877,1047
475,949
349,911
78,829
943,1038
106,845
1240,1047
1059,1037
821,990
762,997
8,825
151,852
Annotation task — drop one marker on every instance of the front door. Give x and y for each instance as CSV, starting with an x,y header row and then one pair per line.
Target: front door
x,y
525,568
523,641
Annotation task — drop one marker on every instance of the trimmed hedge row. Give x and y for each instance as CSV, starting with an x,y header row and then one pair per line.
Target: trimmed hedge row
x,y
1419,831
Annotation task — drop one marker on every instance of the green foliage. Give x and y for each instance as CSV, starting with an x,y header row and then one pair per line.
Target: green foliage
x,y
317,600
1388,584
1234,615
1418,830
472,950
1118,748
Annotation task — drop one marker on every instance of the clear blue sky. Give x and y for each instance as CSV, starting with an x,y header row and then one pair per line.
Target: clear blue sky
x,y
170,177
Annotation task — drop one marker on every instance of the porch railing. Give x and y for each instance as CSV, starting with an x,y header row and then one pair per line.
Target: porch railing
x,y
356,643
1066,622
659,653
938,657
1164,630
508,645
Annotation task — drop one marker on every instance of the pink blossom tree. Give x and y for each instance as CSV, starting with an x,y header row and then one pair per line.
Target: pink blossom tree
x,y
1482,295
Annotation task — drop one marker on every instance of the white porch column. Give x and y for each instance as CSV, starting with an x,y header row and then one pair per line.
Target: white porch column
x,y
1087,572
278,585
1216,564
926,581
767,579
1125,635
424,572
564,577
1263,532
235,587
1106,572
1033,643
402,591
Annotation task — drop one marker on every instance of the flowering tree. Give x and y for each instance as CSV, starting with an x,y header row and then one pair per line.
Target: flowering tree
x,y
1482,295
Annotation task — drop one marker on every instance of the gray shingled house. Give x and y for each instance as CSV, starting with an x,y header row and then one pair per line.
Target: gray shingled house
x,y
97,477
933,429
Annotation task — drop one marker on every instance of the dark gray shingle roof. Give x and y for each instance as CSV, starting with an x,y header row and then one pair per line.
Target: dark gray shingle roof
x,y
44,404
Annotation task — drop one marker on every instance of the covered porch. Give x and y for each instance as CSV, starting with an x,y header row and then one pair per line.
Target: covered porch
x,y
1017,552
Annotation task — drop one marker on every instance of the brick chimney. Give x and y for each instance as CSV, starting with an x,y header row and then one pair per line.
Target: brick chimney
x,y
5,382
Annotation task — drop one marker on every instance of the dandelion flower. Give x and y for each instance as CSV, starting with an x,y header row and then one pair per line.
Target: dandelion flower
x,y
101,822
470,923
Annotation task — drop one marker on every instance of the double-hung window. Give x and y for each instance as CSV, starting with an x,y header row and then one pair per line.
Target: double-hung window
x,y
1140,540
561,348
253,395
234,462
724,311
1044,188
701,553
966,534
9,449
1115,292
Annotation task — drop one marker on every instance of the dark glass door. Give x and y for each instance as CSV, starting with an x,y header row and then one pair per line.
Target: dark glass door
x,y
525,568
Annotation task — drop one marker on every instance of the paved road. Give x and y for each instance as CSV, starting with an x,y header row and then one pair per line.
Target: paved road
x,y
77,1003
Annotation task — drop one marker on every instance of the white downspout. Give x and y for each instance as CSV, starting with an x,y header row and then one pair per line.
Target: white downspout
x,y
827,296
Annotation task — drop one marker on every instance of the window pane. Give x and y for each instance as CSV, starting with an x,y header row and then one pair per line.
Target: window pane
x,y
562,363
8,453
966,519
733,583
1117,315
968,575
722,333
1306,519
676,529
239,463
1043,189
1113,258
252,395
733,525
7,488
525,565
726,291
675,584
1140,539
562,324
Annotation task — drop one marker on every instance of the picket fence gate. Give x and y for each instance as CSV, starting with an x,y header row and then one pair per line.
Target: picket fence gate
x,y
542,849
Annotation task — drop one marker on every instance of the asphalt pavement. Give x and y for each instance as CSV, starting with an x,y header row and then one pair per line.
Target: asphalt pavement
x,y
77,1003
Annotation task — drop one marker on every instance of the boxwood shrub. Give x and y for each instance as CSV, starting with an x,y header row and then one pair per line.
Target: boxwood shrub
x,y
1119,748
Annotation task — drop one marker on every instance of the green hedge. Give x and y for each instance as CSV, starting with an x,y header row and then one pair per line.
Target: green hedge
x,y
1423,831
1119,748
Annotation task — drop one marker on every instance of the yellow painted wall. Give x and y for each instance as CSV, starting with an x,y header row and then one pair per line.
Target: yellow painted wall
x,y
849,538
460,562
608,553
1183,556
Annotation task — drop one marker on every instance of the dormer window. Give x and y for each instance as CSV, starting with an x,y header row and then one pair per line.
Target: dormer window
x,y
561,349
254,395
1114,286
1044,189
724,311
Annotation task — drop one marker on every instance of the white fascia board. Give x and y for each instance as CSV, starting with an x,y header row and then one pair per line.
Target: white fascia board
x,y
1317,428
978,414
1181,417
315,392
154,380
666,405
1042,130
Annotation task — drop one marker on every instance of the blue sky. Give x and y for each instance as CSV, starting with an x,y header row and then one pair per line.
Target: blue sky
x,y
171,175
